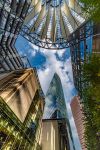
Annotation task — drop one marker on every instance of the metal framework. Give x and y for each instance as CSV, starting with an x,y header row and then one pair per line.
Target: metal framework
x,y
49,23
12,14
80,50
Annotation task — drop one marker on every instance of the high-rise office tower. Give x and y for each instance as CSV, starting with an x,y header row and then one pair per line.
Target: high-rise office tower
x,y
79,120
12,15
21,110
56,132
55,102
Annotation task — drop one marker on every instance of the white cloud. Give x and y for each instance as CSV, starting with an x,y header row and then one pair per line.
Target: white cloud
x,y
45,78
31,52
60,52
64,70
34,46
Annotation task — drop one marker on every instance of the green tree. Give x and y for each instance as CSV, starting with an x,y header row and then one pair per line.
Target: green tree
x,y
91,8
91,102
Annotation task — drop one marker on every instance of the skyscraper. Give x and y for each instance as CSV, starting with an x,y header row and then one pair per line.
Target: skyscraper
x,y
79,120
55,102
21,110
55,123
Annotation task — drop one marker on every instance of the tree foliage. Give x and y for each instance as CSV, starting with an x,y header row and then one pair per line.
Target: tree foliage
x,y
91,8
91,102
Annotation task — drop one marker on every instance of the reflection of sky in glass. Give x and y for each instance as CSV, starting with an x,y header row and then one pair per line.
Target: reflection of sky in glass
x,y
55,101
88,47
89,44
82,49
36,58
89,39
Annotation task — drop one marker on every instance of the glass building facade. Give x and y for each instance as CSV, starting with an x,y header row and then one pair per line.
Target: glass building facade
x,y
84,42
21,110
12,15
55,109
55,103
80,51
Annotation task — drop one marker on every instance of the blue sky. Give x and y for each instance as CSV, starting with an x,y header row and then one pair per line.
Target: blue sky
x,y
47,63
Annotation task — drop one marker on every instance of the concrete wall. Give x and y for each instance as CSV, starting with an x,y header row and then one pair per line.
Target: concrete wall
x,y
50,135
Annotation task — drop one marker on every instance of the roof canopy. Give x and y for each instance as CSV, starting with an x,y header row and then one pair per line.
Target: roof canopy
x,y
49,22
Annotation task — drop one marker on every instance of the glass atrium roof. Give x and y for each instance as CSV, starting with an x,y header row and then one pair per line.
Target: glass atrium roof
x,y
50,22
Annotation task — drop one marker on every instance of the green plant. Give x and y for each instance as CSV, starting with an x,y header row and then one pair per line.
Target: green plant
x,y
91,8
91,102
